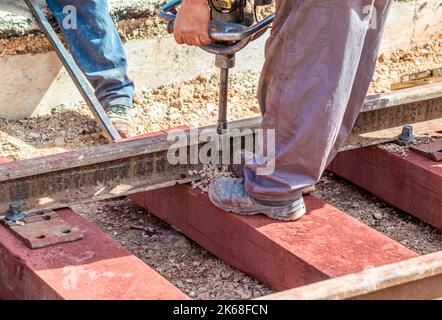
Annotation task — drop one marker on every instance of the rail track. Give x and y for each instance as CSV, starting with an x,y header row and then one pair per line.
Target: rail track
x,y
141,164
138,168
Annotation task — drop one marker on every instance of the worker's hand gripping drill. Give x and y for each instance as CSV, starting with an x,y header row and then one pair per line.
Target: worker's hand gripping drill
x,y
192,23
221,27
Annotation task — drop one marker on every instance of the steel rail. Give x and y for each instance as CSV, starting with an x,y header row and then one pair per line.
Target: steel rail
x,y
128,167
414,279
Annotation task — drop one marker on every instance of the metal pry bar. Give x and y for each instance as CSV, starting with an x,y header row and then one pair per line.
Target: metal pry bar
x,y
74,72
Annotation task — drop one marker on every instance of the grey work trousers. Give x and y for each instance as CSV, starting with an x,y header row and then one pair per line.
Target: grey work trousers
x,y
320,60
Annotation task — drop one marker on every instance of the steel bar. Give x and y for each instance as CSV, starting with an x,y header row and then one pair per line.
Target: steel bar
x,y
416,278
128,167
97,173
223,97
90,174
77,76
381,118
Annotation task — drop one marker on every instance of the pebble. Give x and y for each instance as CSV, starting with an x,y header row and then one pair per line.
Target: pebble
x,y
211,107
255,109
34,135
225,274
377,215
59,141
244,294
183,243
204,296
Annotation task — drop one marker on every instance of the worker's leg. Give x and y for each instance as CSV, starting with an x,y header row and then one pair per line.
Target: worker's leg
x,y
97,49
320,60
364,75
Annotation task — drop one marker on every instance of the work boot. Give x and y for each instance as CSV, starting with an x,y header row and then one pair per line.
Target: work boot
x,y
238,171
122,119
230,195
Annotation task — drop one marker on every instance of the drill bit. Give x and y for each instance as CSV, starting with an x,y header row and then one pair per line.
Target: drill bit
x,y
222,111
223,93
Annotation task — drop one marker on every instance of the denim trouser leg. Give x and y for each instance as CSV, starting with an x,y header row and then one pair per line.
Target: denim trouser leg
x,y
320,59
97,49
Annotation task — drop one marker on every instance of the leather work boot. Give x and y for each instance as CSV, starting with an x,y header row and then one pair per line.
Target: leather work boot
x,y
230,195
122,119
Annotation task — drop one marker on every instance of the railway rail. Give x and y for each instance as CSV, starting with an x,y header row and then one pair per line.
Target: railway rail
x,y
141,164
413,279
139,168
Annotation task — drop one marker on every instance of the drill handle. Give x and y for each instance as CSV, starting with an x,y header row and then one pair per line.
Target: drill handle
x,y
221,31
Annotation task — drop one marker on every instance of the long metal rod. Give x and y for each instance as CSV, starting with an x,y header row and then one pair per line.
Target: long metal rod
x,y
223,100
106,172
75,73
414,279
222,110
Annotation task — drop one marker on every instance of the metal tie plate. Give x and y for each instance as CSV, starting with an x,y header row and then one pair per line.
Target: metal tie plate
x,y
43,229
432,150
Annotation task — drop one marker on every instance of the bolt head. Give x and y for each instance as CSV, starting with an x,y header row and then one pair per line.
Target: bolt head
x,y
407,133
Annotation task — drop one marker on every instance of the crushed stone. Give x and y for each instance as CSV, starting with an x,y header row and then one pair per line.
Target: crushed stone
x,y
181,261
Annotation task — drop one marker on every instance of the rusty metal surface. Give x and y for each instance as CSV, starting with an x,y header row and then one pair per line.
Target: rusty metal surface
x,y
403,97
432,150
417,278
93,182
393,116
129,167
97,173
43,229
356,141
418,79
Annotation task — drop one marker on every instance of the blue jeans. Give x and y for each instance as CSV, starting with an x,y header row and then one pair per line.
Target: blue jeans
x,y
97,49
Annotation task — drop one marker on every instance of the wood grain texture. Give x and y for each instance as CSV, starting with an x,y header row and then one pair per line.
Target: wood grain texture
x,y
413,184
326,243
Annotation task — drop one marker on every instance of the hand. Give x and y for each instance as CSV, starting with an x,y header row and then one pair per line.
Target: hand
x,y
192,23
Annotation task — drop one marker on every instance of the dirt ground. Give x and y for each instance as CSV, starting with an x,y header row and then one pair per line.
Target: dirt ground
x,y
129,29
192,103
394,64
